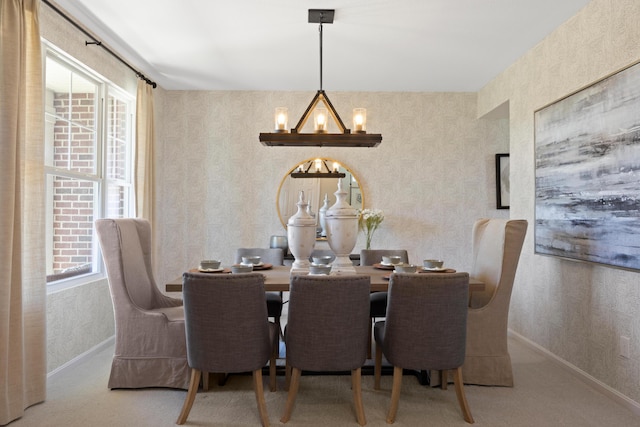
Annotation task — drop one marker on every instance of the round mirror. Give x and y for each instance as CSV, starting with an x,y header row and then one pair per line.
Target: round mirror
x,y
316,177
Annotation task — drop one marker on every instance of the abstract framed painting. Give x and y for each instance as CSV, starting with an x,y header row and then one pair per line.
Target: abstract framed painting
x,y
587,173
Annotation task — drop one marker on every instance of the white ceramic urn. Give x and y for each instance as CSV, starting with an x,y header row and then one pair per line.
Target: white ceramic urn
x,y
301,235
341,221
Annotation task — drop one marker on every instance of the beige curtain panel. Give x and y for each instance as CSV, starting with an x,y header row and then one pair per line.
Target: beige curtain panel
x,y
145,137
22,255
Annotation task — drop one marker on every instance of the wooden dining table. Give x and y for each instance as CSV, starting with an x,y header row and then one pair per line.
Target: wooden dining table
x,y
277,279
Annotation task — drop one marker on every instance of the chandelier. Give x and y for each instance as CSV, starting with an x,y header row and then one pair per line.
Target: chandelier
x,y
320,137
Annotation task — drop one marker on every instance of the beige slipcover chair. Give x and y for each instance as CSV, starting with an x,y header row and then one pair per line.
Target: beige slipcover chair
x,y
150,348
497,244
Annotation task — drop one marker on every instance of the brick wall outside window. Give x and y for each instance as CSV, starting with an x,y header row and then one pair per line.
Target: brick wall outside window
x,y
73,199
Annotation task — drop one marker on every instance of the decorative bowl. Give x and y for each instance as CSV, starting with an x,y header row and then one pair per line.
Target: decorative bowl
x,y
432,263
209,264
326,259
319,269
405,268
239,268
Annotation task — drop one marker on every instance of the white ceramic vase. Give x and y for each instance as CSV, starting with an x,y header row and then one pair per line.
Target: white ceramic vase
x,y
301,236
342,232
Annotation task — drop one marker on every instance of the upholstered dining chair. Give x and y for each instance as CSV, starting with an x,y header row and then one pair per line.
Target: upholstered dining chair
x,y
497,244
227,330
150,347
327,331
378,300
273,256
425,328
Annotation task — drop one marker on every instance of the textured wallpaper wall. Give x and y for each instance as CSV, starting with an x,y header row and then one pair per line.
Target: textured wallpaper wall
x,y
577,311
433,174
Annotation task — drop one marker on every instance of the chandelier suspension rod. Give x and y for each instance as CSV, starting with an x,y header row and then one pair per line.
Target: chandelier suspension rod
x,y
320,51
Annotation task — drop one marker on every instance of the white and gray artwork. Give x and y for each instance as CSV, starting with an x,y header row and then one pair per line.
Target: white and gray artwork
x,y
587,153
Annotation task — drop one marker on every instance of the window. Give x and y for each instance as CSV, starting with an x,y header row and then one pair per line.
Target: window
x,y
88,162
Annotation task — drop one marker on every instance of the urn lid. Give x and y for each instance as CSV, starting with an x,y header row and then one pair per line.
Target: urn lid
x,y
302,217
341,207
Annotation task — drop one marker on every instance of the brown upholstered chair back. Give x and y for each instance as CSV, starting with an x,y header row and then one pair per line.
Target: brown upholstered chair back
x,y
328,322
226,322
426,321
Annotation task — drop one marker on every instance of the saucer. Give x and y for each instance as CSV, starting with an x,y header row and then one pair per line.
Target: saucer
x,y
383,266
437,269
210,270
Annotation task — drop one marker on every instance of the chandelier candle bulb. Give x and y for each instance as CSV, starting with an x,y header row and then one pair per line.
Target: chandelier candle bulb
x,y
320,120
359,119
282,117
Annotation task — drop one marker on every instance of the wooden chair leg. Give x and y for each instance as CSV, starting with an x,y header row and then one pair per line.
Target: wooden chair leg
x,y
191,395
258,389
369,344
377,369
287,375
356,385
444,379
205,381
395,394
274,355
462,399
291,397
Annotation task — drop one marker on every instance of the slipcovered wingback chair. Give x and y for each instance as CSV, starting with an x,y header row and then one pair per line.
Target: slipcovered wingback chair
x,y
497,244
150,348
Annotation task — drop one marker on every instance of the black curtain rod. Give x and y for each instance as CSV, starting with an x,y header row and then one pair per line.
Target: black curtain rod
x,y
99,43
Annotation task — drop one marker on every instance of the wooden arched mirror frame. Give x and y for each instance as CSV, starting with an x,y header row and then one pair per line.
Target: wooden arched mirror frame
x,y
315,188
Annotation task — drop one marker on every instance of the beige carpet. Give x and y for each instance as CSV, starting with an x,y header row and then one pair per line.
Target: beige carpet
x,y
544,395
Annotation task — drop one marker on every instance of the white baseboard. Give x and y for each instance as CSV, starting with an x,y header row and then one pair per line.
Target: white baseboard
x,y
612,393
93,350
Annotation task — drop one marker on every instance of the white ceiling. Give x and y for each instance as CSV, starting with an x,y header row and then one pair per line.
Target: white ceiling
x,y
373,45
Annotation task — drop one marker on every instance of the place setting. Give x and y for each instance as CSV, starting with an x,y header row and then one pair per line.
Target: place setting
x,y
388,262
250,263
428,266
211,266
435,266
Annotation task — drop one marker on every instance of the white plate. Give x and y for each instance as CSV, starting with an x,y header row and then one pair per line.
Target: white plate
x,y
260,264
434,269
210,270
386,264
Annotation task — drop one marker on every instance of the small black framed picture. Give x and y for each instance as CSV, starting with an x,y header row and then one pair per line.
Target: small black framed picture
x,y
502,181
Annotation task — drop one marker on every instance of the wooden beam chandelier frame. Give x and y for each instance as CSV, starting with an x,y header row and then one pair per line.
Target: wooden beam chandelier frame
x,y
295,138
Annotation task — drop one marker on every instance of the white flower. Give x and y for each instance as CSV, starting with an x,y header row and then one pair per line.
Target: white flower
x,y
369,221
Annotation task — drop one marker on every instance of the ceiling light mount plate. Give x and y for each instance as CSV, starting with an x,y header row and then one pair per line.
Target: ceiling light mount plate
x,y
321,16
